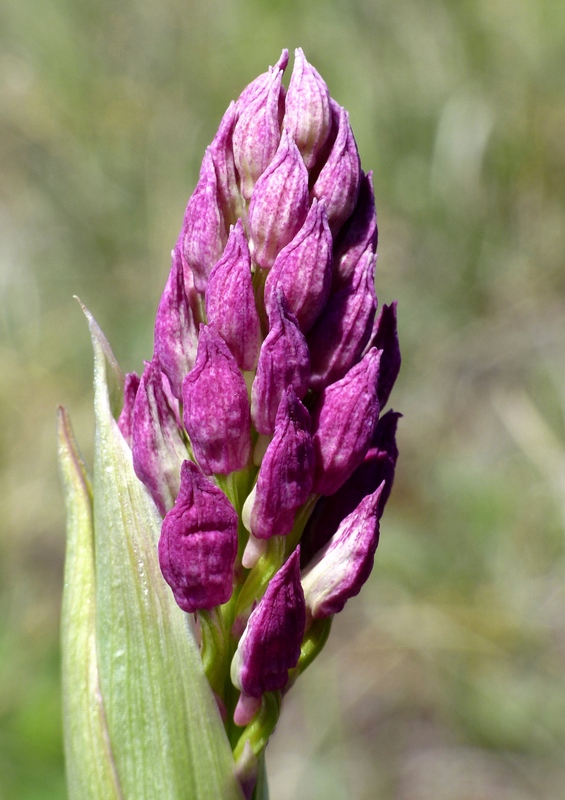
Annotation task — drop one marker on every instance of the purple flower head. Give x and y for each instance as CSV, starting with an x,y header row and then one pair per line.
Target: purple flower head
x,y
344,420
230,302
203,233
343,329
287,471
279,203
157,446
216,407
176,336
283,362
308,116
125,421
339,571
270,644
257,133
270,371
198,543
338,181
303,269
377,467
357,234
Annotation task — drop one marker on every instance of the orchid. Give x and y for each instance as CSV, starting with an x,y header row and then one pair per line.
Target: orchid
x,y
239,483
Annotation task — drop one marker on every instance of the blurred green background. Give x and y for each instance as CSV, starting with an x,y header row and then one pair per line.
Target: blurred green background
x,y
445,680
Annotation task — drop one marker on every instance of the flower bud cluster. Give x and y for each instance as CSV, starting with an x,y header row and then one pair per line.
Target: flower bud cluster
x,y
257,425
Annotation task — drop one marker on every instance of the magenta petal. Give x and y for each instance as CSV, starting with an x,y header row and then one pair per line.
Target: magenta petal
x,y
257,132
344,420
307,116
270,644
357,234
283,362
279,203
339,571
338,181
157,446
230,302
176,336
344,327
257,86
385,338
377,466
198,543
204,232
216,407
303,269
287,471
221,152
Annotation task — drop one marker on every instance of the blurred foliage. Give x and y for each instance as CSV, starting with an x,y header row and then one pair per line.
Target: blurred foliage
x,y
445,679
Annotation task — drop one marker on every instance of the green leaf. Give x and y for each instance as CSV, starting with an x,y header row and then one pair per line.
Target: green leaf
x,y
166,732
89,762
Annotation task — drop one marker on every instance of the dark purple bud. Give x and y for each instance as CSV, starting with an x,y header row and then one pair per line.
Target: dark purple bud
x,y
157,446
257,132
176,336
279,203
358,233
125,421
198,543
339,571
308,116
338,181
286,474
283,362
270,644
343,328
230,302
385,338
303,268
257,86
221,151
216,407
377,466
344,421
203,233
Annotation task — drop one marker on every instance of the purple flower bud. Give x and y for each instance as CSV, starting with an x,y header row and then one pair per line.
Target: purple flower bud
x,y
157,446
339,571
221,151
377,466
198,543
343,329
283,362
287,471
125,421
279,203
257,86
176,336
216,407
203,233
338,181
385,338
303,268
344,420
358,233
270,644
230,302
308,116
257,133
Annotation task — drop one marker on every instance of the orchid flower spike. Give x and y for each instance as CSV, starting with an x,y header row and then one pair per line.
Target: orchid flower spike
x,y
245,480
